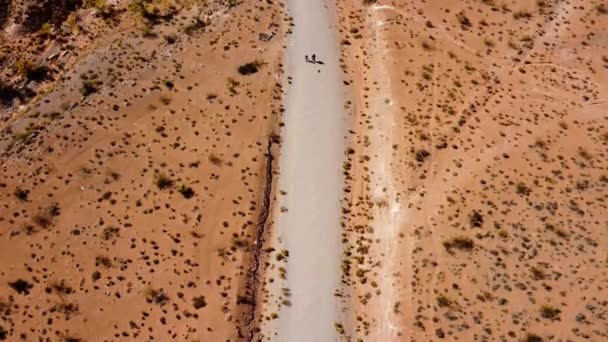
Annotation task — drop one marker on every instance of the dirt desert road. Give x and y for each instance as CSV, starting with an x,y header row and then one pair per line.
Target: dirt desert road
x,y
310,164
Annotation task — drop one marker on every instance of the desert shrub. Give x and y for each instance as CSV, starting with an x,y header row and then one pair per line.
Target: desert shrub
x,y
461,243
537,273
8,94
163,181
465,22
475,219
523,189
549,312
443,301
137,7
152,14
165,100
71,339
110,232
186,191
232,85
170,38
533,338
88,88
558,231
426,46
31,71
95,276
66,308
196,25
21,194
239,243
154,296
421,155
98,4
102,260
45,29
44,218
215,160
147,31
250,68
21,286
26,137
199,302
522,15
59,287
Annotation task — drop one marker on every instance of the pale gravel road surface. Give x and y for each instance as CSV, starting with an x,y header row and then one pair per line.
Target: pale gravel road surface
x,y
311,162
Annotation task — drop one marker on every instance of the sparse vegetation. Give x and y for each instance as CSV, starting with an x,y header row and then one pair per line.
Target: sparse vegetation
x,y
88,88
533,338
465,22
110,232
22,194
421,155
45,217
215,160
549,312
21,286
154,296
45,30
475,219
66,308
199,302
163,181
104,261
186,191
522,15
461,243
474,172
232,85
523,189
250,68
443,301
31,71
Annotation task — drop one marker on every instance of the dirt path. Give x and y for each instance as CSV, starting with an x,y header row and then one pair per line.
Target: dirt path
x,y
310,162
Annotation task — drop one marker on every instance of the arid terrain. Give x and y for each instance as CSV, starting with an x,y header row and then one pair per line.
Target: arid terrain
x,y
134,153
476,176
172,170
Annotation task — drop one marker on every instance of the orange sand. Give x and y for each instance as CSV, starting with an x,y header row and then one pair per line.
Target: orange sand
x,y
477,175
108,254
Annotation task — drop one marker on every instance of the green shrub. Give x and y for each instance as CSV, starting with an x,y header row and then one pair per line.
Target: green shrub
x,y
31,71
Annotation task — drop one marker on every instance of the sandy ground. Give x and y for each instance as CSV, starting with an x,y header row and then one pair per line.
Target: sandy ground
x,y
476,182
307,224
131,213
467,199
